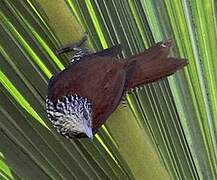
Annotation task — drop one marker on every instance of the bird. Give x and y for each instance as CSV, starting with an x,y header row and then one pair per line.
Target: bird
x,y
82,96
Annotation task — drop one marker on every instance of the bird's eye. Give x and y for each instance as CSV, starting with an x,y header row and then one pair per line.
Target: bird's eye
x,y
85,114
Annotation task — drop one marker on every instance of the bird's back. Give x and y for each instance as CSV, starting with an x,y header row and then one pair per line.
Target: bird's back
x,y
100,79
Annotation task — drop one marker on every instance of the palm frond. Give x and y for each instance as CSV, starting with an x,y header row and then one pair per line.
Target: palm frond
x,y
169,127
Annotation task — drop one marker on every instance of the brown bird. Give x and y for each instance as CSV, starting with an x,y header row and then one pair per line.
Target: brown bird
x,y
81,97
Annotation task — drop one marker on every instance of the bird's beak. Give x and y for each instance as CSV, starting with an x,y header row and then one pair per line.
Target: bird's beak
x,y
88,131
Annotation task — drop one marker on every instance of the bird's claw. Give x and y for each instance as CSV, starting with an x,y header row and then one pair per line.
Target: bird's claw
x,y
73,46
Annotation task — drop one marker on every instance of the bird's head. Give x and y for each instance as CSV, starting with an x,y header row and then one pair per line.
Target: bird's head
x,y
71,116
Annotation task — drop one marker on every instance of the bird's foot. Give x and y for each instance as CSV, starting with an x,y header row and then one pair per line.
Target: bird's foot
x,y
74,46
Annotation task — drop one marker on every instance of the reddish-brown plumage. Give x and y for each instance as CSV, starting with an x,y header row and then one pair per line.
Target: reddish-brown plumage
x,y
103,79
100,79
154,64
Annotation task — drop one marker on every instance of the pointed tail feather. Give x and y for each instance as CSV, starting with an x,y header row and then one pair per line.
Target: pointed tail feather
x,y
153,65
158,51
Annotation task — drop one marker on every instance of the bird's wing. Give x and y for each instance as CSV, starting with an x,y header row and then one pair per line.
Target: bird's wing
x,y
100,80
109,52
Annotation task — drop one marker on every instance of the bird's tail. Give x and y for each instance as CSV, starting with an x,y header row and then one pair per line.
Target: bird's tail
x,y
153,65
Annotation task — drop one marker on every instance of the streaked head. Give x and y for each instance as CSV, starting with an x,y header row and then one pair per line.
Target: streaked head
x,y
70,115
